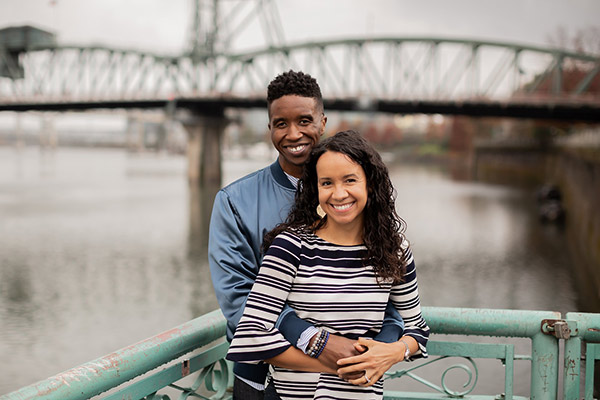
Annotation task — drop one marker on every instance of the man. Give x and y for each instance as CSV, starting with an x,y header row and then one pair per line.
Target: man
x,y
250,207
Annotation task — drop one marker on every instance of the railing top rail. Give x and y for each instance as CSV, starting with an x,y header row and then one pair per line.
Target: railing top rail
x,y
488,322
104,373
588,325
112,370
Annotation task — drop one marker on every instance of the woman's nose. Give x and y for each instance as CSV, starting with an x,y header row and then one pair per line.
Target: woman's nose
x,y
339,192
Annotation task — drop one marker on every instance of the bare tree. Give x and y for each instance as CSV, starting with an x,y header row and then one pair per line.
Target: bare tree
x,y
583,40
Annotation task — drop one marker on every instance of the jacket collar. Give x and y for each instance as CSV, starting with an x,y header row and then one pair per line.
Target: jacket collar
x,y
280,176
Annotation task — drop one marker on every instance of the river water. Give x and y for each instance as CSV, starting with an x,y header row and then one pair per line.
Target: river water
x,y
102,248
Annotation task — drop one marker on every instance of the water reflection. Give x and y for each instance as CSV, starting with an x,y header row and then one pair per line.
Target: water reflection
x,y
481,245
101,249
200,207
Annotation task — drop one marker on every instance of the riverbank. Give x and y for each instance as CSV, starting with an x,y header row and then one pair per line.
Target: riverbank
x,y
575,170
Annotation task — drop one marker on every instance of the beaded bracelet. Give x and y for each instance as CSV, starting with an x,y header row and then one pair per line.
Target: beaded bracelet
x,y
313,347
324,344
319,344
315,344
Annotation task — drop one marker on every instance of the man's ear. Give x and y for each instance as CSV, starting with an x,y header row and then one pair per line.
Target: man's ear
x,y
323,124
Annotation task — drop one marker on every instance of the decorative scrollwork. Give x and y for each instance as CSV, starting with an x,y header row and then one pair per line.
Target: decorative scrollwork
x,y
466,384
471,371
213,378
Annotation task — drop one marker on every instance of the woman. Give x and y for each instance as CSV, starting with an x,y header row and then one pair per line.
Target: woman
x,y
336,271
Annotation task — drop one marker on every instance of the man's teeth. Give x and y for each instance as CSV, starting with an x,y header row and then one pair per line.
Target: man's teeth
x,y
342,207
297,148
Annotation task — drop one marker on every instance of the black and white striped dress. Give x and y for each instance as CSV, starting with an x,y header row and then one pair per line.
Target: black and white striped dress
x,y
327,285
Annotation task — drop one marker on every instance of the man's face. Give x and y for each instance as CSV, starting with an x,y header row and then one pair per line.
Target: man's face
x,y
296,124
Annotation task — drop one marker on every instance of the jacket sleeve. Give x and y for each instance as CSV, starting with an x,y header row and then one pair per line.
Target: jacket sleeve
x,y
233,268
393,325
233,265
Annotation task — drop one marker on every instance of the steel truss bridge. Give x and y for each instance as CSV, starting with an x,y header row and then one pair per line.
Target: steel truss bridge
x,y
389,74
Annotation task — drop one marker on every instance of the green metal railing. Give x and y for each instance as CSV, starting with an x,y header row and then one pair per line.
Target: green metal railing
x,y
168,362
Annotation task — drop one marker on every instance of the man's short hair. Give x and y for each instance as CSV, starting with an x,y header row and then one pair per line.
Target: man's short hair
x,y
295,84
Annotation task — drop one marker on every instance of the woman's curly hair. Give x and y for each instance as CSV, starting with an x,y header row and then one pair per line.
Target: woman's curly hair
x,y
383,230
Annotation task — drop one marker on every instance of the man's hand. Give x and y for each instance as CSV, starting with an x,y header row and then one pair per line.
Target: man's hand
x,y
339,347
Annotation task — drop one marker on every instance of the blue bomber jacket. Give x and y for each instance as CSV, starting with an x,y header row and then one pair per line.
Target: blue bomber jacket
x,y
243,212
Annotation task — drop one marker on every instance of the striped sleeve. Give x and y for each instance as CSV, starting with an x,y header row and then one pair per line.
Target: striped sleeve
x,y
256,338
405,297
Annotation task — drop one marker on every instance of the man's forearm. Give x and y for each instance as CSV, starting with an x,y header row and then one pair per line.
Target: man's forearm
x,y
295,359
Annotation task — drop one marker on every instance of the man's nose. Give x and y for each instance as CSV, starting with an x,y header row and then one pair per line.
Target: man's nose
x,y
294,132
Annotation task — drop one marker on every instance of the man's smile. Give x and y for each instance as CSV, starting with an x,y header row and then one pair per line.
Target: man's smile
x,y
296,148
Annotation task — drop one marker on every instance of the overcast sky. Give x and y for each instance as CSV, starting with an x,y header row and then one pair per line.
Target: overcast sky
x,y
162,25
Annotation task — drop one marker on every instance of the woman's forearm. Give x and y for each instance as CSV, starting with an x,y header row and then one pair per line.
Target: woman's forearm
x,y
295,359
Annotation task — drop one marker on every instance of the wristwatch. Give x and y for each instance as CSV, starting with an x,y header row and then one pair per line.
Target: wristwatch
x,y
407,351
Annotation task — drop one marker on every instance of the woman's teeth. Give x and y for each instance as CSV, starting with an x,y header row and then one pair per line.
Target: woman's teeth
x,y
342,207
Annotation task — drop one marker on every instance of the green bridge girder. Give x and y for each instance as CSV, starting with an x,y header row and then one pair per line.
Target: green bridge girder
x,y
377,68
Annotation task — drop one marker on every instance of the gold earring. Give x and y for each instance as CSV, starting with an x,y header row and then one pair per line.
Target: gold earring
x,y
321,212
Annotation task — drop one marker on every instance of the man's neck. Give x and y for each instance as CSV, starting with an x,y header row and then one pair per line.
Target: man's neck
x,y
292,170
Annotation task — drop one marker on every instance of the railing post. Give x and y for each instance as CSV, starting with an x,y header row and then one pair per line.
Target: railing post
x,y
585,330
572,365
544,367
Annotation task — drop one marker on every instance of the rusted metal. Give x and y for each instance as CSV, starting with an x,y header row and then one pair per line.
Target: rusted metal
x,y
585,334
557,328
185,368
543,328
110,371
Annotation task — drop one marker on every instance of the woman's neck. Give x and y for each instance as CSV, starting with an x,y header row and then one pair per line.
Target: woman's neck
x,y
346,236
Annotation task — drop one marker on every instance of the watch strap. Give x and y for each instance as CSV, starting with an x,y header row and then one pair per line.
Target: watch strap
x,y
407,351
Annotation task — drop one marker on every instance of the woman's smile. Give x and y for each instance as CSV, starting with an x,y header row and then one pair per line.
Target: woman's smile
x,y
342,207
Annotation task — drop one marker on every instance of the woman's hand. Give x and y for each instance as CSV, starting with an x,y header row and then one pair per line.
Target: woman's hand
x,y
374,362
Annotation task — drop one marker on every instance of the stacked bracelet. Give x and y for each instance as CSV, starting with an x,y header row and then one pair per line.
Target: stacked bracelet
x,y
319,344
313,348
324,344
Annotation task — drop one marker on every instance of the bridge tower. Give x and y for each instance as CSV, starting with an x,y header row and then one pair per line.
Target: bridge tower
x,y
214,26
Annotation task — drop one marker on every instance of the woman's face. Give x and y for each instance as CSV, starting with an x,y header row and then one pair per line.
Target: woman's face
x,y
342,185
